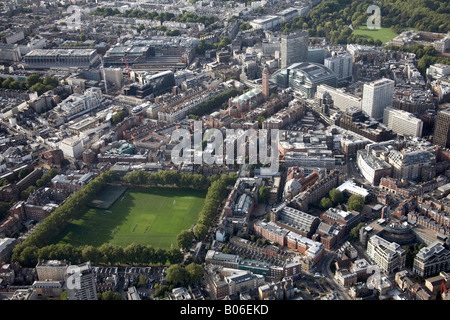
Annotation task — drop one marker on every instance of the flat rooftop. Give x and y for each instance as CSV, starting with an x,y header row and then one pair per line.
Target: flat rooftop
x,y
61,52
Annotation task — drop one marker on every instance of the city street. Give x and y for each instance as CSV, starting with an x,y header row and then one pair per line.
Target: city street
x,y
323,267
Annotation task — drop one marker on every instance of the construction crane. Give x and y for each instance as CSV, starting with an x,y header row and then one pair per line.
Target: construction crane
x,y
444,292
128,68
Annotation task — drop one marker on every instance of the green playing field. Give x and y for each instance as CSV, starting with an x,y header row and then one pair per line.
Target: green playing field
x,y
384,34
152,216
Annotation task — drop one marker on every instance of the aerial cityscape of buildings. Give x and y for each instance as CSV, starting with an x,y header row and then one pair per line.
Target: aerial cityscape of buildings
x,y
91,102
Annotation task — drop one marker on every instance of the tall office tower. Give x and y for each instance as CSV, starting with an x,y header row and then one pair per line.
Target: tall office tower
x,y
265,83
80,282
377,95
294,48
341,65
402,122
441,135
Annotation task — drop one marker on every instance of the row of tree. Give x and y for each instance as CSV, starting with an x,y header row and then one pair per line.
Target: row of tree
x,y
106,254
181,275
203,45
216,194
334,198
215,102
46,178
153,15
107,295
355,202
32,83
167,178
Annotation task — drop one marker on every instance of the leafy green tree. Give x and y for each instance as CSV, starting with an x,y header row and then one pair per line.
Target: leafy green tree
x,y
40,88
184,239
32,80
106,252
215,102
6,83
29,257
354,233
200,231
23,173
63,295
326,203
245,26
4,210
264,194
224,41
336,196
14,85
148,253
174,255
411,252
355,202
91,253
119,116
26,193
194,272
109,295
160,256
161,291
173,33
118,254
50,81
176,274
260,120
134,252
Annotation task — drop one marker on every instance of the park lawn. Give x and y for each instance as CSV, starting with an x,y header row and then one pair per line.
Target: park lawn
x,y
151,216
383,34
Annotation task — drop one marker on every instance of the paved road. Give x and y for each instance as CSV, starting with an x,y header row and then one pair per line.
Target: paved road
x,y
353,171
323,267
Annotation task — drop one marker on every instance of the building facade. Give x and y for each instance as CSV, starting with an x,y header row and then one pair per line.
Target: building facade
x,y
389,256
377,95
441,135
402,122
431,260
83,283
341,65
304,77
294,48
62,58
51,270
